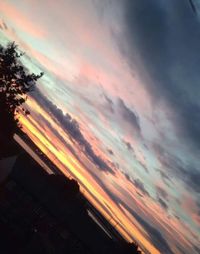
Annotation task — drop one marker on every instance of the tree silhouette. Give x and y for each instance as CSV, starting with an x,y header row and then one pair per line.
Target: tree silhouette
x,y
15,83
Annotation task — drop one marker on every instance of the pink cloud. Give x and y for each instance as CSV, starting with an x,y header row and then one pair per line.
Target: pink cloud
x,y
21,21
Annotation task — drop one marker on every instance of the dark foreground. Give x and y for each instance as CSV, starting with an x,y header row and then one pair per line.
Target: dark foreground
x,y
42,213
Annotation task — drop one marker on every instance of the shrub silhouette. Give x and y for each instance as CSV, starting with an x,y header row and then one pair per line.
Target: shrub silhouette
x,y
15,83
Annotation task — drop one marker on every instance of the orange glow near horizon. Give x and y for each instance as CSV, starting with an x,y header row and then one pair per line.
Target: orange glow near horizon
x,y
71,167
129,149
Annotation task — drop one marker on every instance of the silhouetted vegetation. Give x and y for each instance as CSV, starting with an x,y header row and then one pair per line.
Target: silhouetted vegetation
x,y
15,82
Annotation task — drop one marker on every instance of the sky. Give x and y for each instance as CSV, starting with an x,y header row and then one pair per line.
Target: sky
x,y
118,107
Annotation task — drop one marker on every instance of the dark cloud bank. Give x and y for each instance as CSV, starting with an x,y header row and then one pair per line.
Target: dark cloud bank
x,y
71,126
167,36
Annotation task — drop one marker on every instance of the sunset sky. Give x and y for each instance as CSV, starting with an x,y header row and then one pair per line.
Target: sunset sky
x,y
118,107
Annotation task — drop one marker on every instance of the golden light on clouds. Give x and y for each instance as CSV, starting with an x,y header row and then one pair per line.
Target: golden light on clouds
x,y
71,167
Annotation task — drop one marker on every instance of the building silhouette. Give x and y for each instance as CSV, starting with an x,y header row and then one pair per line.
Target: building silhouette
x,y
46,213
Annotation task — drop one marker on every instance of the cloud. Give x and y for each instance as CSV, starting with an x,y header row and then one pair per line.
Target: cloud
x,y
197,249
193,7
155,236
163,203
143,166
175,166
21,21
166,179
139,185
161,192
193,179
110,151
128,145
130,148
162,197
109,103
166,35
3,25
71,126
198,205
129,116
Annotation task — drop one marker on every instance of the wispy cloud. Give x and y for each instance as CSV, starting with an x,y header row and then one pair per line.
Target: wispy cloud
x,y
119,107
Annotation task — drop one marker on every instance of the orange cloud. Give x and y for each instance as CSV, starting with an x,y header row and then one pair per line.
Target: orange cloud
x,y
68,164
59,153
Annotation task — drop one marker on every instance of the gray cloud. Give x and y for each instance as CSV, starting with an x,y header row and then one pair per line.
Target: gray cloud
x,y
155,236
198,205
166,179
129,116
128,145
193,7
71,126
187,173
127,177
138,184
73,130
197,249
110,151
143,166
163,203
3,25
131,149
109,103
162,197
162,193
166,34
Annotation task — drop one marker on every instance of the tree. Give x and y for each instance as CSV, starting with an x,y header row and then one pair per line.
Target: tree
x,y
15,83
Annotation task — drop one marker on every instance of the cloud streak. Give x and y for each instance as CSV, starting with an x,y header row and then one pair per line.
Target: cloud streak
x,y
166,45
71,126
119,106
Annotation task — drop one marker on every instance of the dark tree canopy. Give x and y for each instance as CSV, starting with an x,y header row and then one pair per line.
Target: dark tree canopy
x,y
15,83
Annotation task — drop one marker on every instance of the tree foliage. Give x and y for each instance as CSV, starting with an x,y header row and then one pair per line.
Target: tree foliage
x,y
15,83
